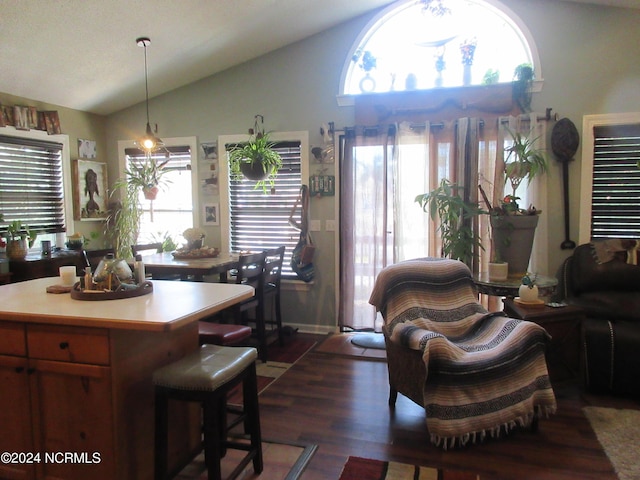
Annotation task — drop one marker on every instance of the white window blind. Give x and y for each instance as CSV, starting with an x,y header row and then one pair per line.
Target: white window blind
x,y
259,220
615,207
31,183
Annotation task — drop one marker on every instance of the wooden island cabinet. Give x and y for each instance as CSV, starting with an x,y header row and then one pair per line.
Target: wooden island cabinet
x,y
77,396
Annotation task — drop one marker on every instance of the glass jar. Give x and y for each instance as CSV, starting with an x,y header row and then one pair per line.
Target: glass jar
x,y
112,266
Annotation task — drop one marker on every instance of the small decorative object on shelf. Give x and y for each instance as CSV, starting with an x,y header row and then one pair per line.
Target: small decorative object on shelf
x,y
528,291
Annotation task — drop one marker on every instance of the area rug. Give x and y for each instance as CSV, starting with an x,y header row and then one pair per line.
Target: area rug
x,y
281,462
369,340
618,431
279,360
358,468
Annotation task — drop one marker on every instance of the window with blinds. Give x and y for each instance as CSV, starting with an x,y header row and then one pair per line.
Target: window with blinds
x,y
259,220
31,184
172,211
615,202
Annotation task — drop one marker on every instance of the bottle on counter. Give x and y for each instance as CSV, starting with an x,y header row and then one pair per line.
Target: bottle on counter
x,y
88,279
138,268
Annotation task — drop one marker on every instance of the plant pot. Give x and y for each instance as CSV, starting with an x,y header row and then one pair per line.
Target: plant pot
x,y
513,237
253,171
498,271
195,244
528,294
150,193
16,249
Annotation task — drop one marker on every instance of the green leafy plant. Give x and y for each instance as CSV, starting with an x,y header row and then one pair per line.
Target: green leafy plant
x,y
523,160
523,77
20,231
148,175
123,222
530,280
456,218
256,159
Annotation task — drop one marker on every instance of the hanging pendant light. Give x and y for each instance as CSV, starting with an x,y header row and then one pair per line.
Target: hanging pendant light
x,y
149,142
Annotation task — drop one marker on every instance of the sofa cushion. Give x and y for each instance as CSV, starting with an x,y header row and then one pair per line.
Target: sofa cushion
x,y
587,275
610,305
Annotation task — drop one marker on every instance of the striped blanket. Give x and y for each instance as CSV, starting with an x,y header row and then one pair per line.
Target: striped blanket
x,y
486,373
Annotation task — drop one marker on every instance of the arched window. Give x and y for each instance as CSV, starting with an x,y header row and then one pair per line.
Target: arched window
x,y
426,44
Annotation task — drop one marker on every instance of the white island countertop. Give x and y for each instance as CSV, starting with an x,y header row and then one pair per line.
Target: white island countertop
x,y
171,305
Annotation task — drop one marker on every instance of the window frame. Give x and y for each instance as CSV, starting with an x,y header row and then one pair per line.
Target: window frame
x,y
345,99
67,183
589,122
292,136
192,143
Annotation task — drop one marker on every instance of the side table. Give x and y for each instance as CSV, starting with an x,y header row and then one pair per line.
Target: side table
x,y
563,324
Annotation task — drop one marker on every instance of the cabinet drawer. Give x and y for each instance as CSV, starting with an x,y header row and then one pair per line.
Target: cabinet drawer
x,y
12,339
68,344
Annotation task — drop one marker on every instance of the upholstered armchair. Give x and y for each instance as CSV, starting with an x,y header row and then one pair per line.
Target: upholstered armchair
x,y
476,373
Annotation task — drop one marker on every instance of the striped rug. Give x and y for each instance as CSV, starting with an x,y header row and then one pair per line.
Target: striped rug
x,y
358,468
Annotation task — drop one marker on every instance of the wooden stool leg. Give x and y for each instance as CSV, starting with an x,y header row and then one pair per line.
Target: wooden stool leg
x,y
161,435
252,409
212,436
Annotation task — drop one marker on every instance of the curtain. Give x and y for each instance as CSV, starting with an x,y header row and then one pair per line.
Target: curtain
x,y
383,169
366,170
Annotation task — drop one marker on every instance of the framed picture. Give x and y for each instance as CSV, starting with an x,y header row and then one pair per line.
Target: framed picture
x,y
86,148
210,150
212,214
208,172
90,195
52,122
21,117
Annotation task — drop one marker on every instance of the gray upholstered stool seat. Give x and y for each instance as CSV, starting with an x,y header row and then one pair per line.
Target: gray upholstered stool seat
x,y
206,376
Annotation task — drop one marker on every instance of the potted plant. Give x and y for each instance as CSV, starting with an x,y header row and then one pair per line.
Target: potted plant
x,y
147,176
513,228
528,290
458,237
21,238
256,159
123,222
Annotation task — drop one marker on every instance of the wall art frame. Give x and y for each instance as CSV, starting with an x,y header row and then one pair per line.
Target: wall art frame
x,y
211,214
90,190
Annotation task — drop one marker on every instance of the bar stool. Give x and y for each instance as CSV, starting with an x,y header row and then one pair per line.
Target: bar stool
x,y
206,376
222,333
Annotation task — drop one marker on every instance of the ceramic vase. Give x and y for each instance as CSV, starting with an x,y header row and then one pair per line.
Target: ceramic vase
x,y
528,294
16,249
498,272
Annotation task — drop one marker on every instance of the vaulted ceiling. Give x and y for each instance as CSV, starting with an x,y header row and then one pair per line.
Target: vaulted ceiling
x,y
82,54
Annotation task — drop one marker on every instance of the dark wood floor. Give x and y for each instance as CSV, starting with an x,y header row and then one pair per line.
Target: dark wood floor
x,y
339,402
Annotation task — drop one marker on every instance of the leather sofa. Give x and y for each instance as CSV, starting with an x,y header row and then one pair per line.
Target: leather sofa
x,y
597,278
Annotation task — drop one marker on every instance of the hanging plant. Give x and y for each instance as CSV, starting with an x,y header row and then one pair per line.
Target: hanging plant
x,y
522,82
256,159
147,176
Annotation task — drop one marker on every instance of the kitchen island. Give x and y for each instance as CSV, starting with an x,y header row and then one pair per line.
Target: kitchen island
x,y
76,398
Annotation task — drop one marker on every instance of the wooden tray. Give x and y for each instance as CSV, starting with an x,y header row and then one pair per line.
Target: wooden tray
x,y
194,254
537,304
78,294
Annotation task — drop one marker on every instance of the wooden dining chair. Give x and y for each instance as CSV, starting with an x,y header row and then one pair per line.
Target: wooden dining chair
x,y
251,272
272,276
146,248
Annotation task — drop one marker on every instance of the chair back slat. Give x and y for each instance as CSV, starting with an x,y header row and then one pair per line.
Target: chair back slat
x,y
146,248
273,267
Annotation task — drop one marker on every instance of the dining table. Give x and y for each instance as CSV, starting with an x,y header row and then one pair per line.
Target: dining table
x,y
166,264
